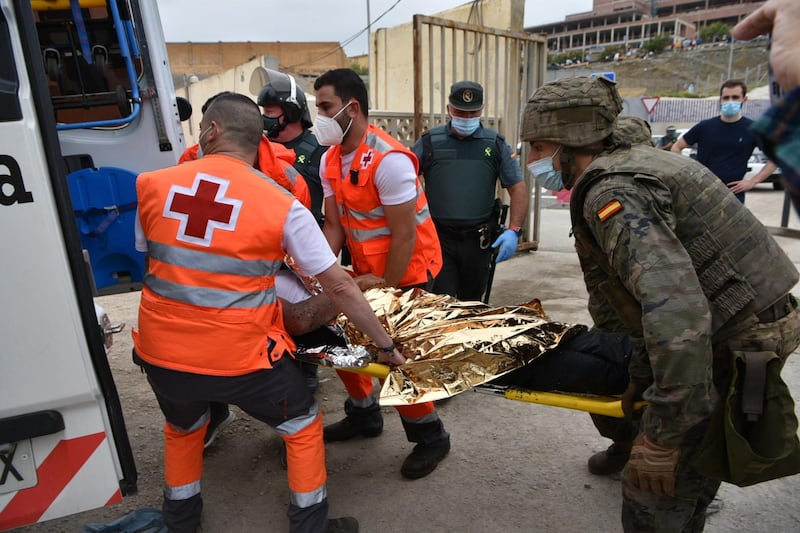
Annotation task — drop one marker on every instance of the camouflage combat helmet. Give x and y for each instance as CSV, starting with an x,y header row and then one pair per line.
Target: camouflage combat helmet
x,y
633,130
572,111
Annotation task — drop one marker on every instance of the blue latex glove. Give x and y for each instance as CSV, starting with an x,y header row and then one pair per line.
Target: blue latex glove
x,y
508,245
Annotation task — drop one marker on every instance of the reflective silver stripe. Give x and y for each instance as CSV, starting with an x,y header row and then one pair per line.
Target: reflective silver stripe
x,y
430,417
376,142
197,425
291,174
205,297
363,402
278,185
299,423
183,492
307,499
362,235
208,262
367,215
423,215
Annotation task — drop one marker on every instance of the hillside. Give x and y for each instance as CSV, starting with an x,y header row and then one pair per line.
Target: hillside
x,y
705,68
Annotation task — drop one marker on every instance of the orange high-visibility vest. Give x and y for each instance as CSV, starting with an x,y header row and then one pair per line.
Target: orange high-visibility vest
x,y
190,154
277,162
363,217
208,306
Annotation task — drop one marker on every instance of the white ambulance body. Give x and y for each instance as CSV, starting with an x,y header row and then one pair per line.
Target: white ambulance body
x,y
84,86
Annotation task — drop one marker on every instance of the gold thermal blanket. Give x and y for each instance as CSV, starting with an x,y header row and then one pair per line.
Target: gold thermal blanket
x,y
452,346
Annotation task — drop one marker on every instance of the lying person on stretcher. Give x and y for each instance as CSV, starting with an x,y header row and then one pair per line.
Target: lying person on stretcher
x,y
550,356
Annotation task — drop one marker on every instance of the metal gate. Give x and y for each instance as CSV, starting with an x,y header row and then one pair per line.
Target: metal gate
x,y
510,66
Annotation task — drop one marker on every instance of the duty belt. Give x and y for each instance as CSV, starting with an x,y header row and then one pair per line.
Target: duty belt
x,y
785,305
483,231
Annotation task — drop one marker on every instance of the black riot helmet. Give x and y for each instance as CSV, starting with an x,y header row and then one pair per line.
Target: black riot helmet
x,y
281,89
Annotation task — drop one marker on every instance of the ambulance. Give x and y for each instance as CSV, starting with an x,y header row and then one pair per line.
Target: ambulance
x,y
87,102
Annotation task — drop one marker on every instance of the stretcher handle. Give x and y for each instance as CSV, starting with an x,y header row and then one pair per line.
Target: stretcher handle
x,y
376,370
599,405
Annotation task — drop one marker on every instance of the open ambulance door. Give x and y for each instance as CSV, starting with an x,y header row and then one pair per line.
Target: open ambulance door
x,y
63,443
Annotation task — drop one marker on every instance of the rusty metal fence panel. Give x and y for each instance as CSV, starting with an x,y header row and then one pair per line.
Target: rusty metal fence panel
x,y
510,66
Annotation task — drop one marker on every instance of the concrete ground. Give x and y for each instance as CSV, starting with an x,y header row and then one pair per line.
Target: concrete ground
x,y
513,467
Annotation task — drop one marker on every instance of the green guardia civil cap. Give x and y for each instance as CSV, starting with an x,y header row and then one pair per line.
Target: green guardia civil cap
x,y
572,111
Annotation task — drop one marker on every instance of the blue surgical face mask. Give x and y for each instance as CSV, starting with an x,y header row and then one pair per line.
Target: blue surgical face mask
x,y
465,126
548,177
731,109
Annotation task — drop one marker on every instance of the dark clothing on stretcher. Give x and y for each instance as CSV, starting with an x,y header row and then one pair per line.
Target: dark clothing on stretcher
x,y
591,362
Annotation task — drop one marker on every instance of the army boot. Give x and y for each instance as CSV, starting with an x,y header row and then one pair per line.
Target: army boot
x,y
610,461
433,445
366,422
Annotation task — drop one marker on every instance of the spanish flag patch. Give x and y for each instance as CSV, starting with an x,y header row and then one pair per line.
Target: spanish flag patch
x,y
609,209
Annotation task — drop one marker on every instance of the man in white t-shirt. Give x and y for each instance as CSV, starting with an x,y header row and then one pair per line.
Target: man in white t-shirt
x,y
374,203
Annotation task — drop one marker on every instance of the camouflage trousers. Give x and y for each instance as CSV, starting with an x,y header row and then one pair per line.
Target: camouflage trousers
x,y
686,512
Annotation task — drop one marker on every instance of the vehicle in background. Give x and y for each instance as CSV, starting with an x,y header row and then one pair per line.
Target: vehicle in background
x,y
86,104
756,163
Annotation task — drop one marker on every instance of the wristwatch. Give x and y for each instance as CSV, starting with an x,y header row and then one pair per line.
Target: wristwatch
x,y
517,230
388,349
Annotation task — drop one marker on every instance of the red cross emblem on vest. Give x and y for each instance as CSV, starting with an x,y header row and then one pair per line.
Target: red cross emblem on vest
x,y
201,209
366,159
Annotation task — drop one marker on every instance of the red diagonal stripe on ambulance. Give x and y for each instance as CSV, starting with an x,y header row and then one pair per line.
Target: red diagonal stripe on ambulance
x,y
66,459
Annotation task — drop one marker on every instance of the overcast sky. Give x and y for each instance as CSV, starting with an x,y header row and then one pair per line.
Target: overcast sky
x,y
317,20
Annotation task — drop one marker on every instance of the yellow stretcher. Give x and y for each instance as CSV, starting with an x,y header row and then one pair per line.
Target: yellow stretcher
x,y
599,405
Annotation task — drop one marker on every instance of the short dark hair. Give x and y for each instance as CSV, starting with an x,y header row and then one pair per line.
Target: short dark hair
x,y
728,84
239,117
346,85
211,99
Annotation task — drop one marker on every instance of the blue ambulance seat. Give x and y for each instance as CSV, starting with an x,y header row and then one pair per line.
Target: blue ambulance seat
x,y
104,201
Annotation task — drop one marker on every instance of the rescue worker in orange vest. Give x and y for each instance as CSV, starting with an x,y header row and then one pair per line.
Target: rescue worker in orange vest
x,y
374,202
210,325
273,159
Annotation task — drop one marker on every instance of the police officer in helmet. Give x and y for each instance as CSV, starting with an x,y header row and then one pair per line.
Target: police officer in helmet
x,y
287,121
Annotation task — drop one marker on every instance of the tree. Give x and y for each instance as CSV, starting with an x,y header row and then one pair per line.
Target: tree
x,y
657,44
361,70
559,59
719,31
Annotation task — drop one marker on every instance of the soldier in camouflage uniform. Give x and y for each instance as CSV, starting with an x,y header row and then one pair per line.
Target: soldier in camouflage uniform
x,y
671,257
633,130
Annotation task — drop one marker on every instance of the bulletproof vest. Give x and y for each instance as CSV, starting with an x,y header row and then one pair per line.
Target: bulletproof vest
x,y
741,268
308,153
461,175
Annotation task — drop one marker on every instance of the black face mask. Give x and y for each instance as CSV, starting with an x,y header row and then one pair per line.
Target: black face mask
x,y
273,126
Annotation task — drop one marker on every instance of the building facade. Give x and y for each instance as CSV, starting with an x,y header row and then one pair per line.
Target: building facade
x,y
630,23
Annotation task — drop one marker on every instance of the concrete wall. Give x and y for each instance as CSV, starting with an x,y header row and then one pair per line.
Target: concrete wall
x,y
391,51
236,79
305,58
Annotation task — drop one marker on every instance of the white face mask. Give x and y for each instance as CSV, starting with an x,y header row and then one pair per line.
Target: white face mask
x,y
327,129
200,138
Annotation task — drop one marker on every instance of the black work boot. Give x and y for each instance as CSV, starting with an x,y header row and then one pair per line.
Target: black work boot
x,y
345,524
433,445
424,459
610,461
366,422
